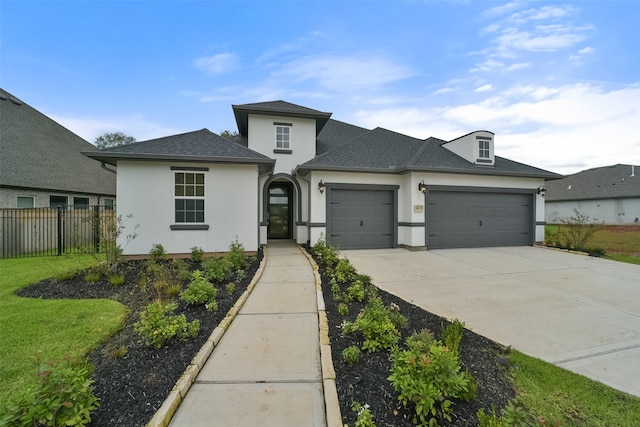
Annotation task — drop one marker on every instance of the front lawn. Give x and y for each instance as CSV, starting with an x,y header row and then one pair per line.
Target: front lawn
x,y
51,328
620,242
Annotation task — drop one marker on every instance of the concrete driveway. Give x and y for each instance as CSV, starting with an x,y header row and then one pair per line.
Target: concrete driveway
x,y
578,312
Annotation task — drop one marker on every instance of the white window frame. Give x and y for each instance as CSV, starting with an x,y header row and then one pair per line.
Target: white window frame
x,y
484,149
33,201
283,136
191,197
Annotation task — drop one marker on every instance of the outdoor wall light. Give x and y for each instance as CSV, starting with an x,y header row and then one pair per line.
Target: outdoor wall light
x,y
422,187
321,187
542,191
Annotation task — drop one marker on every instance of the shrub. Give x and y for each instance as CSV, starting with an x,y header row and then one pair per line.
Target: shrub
x,y
397,318
66,275
578,230
161,281
376,327
511,416
427,379
217,269
200,291
452,335
181,270
231,287
325,255
158,253
343,309
157,325
196,254
356,291
365,417
351,355
63,396
345,272
236,256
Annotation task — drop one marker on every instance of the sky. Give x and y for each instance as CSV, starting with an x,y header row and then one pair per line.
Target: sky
x,y
557,82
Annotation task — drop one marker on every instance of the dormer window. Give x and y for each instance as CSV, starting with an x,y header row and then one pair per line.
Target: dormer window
x,y
484,152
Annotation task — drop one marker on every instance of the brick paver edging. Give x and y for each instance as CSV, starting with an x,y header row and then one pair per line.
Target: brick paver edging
x,y
331,402
163,416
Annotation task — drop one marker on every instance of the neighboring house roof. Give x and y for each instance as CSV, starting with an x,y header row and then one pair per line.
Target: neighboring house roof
x,y
384,151
198,146
38,153
607,182
277,108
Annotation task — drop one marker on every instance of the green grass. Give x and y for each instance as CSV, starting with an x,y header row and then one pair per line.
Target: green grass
x,y
547,390
621,243
52,328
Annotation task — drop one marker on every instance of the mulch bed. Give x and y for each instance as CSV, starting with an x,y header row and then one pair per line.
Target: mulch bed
x,y
366,382
131,389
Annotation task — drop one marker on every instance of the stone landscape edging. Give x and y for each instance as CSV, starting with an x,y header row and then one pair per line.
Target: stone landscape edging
x,y
330,392
163,416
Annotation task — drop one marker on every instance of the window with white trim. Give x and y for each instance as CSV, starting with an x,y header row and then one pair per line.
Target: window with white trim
x,y
483,152
283,137
189,197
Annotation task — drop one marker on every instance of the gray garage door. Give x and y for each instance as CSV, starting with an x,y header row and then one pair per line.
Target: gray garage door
x,y
361,219
470,219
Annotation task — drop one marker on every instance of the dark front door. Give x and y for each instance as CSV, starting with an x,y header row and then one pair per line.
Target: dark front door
x,y
280,210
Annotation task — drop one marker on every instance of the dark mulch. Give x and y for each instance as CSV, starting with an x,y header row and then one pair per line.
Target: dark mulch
x,y
132,389
366,382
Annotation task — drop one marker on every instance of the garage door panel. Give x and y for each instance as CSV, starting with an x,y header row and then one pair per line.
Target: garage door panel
x,y
478,219
361,218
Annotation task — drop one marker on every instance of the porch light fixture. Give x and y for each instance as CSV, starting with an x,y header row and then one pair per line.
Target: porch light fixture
x,y
422,187
321,187
542,191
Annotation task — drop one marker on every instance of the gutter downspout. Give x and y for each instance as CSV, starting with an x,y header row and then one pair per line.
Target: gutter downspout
x,y
106,168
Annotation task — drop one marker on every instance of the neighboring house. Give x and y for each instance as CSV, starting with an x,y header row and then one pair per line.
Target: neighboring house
x,y
610,194
295,173
41,164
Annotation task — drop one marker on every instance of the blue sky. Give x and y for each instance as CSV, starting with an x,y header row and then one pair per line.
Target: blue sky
x,y
558,82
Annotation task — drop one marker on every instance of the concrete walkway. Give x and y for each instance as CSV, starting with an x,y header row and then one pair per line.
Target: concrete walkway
x,y
578,312
266,370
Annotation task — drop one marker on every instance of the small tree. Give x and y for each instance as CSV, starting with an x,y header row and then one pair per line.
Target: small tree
x,y
578,229
113,139
228,133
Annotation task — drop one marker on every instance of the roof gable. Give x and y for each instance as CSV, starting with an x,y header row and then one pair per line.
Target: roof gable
x,y
37,152
277,108
197,146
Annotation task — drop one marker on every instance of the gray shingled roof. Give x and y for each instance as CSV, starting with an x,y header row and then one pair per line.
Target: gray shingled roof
x,y
607,182
38,153
197,146
277,108
381,150
335,134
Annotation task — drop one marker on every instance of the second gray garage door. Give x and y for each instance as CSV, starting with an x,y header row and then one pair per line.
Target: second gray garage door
x,y
457,219
361,219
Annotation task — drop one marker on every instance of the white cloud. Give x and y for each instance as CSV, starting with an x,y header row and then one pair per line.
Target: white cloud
x,y
563,129
484,88
220,63
344,73
443,90
89,128
517,66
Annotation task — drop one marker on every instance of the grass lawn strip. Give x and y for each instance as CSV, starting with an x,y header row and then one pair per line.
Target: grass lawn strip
x,y
52,328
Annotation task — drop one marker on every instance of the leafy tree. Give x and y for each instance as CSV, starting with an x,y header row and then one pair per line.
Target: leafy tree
x,y
228,133
113,139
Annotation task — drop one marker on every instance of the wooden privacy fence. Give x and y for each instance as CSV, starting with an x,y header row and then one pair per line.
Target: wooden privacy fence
x,y
56,231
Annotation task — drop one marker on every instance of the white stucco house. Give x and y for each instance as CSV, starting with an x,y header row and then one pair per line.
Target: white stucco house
x,y
295,173
609,193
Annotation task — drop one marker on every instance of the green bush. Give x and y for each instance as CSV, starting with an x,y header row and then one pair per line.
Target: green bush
x,y
158,253
326,255
365,417
452,335
231,287
63,396
200,292
237,257
92,276
356,291
345,272
343,309
157,325
351,355
397,318
116,279
217,269
376,327
196,254
428,380
511,416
